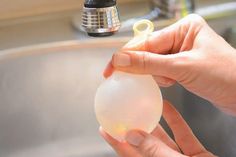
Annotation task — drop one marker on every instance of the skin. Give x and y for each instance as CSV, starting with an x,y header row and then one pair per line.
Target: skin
x,y
188,52
158,143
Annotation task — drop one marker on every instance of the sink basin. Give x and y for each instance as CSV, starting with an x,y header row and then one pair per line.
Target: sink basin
x,y
47,98
47,93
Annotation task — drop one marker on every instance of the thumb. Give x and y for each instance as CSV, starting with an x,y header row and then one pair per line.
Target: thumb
x,y
141,62
150,146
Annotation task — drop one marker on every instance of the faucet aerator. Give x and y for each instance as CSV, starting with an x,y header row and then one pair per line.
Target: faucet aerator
x,y
100,18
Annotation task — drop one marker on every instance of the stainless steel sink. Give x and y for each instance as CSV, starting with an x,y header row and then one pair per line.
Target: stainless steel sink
x,y
47,93
48,82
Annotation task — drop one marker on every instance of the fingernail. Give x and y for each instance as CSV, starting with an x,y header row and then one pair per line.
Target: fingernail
x,y
121,60
134,138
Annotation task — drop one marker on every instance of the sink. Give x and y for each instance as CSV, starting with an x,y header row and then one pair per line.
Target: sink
x,y
49,73
47,93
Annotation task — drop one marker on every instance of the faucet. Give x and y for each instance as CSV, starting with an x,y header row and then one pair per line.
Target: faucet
x,y
101,17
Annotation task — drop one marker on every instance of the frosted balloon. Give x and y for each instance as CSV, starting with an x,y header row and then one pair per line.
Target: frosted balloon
x,y
126,101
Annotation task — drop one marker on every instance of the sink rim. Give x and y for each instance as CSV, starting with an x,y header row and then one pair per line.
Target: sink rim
x,y
62,46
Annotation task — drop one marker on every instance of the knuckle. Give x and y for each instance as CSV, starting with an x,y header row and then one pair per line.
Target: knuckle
x,y
180,65
183,61
146,61
150,149
196,19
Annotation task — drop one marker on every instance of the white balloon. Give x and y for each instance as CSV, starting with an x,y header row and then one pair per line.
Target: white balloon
x,y
124,102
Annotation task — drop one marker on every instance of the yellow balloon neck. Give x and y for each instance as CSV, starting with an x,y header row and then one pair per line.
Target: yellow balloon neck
x,y
143,28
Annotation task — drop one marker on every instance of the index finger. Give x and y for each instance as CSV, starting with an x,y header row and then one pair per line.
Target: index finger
x,y
151,44
177,37
160,42
183,135
108,70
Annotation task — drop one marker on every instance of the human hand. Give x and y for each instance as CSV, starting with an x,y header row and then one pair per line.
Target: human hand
x,y
158,143
188,52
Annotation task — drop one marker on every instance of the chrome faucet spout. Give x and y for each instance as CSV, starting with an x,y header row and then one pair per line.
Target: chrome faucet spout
x,y
100,17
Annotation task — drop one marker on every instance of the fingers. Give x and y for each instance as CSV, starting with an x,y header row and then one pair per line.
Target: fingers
x,y
122,149
140,62
161,81
126,150
140,144
184,137
108,70
172,39
160,42
161,134
150,146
